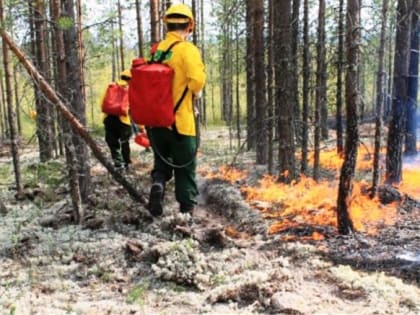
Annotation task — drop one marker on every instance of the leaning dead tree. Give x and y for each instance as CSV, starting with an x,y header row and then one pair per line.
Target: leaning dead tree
x,y
62,106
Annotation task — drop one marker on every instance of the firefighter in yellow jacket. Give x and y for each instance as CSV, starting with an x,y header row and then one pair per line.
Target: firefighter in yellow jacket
x,y
118,131
179,143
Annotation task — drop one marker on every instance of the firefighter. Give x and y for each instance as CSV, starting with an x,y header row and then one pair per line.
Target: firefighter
x,y
118,131
178,144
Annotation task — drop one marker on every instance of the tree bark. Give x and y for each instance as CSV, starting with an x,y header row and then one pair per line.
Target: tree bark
x,y
3,127
250,80
139,29
294,65
14,147
413,83
380,98
320,89
339,90
270,88
65,129
121,35
345,190
43,118
154,21
322,84
400,94
74,122
81,47
284,105
305,88
260,89
74,93
18,104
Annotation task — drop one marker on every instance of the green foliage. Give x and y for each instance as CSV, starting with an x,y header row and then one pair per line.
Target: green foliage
x,y
5,173
49,173
101,273
12,310
137,294
65,22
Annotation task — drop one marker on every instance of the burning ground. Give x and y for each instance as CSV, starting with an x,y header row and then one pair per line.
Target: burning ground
x,y
256,246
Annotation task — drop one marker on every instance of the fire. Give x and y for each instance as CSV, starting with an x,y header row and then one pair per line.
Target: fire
x,y
411,181
329,159
230,174
309,207
311,203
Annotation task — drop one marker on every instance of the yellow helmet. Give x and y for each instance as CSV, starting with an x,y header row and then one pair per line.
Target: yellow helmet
x,y
126,73
180,9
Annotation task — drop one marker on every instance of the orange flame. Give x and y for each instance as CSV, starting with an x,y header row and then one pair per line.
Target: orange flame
x,y
314,203
227,173
410,182
307,203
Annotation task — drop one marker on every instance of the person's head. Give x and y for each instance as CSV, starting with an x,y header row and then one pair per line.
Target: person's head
x,y
179,17
125,75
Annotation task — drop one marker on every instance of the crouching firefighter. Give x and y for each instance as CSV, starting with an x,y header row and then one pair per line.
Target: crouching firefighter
x,y
118,129
175,147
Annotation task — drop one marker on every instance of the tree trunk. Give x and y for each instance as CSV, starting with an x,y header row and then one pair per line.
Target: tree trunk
x,y
203,109
400,94
322,84
380,98
139,29
121,35
270,88
320,89
294,65
195,31
391,46
339,90
250,80
43,118
65,129
260,89
81,47
18,105
154,21
344,223
305,88
3,121
237,90
114,59
75,96
284,105
413,83
74,122
14,147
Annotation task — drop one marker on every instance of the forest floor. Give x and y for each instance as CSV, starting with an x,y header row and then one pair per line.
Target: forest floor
x,y
122,261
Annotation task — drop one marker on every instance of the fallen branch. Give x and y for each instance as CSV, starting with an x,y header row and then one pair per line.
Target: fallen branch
x,y
62,106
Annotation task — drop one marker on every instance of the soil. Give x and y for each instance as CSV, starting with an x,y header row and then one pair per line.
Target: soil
x,y
123,261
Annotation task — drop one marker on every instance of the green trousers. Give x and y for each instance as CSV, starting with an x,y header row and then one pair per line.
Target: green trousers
x,y
177,150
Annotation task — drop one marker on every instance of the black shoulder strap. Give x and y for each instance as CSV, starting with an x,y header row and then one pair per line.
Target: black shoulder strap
x,y
163,55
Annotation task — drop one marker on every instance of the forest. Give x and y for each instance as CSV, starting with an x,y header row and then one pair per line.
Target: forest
x,y
307,166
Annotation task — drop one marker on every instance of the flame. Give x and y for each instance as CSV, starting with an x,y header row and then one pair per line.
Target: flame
x,y
411,181
308,207
224,172
331,160
314,203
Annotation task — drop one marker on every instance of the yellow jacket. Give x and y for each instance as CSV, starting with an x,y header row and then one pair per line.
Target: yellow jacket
x,y
125,119
185,60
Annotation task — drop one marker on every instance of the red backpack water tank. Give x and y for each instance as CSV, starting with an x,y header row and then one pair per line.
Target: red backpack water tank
x,y
150,95
151,102
116,100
